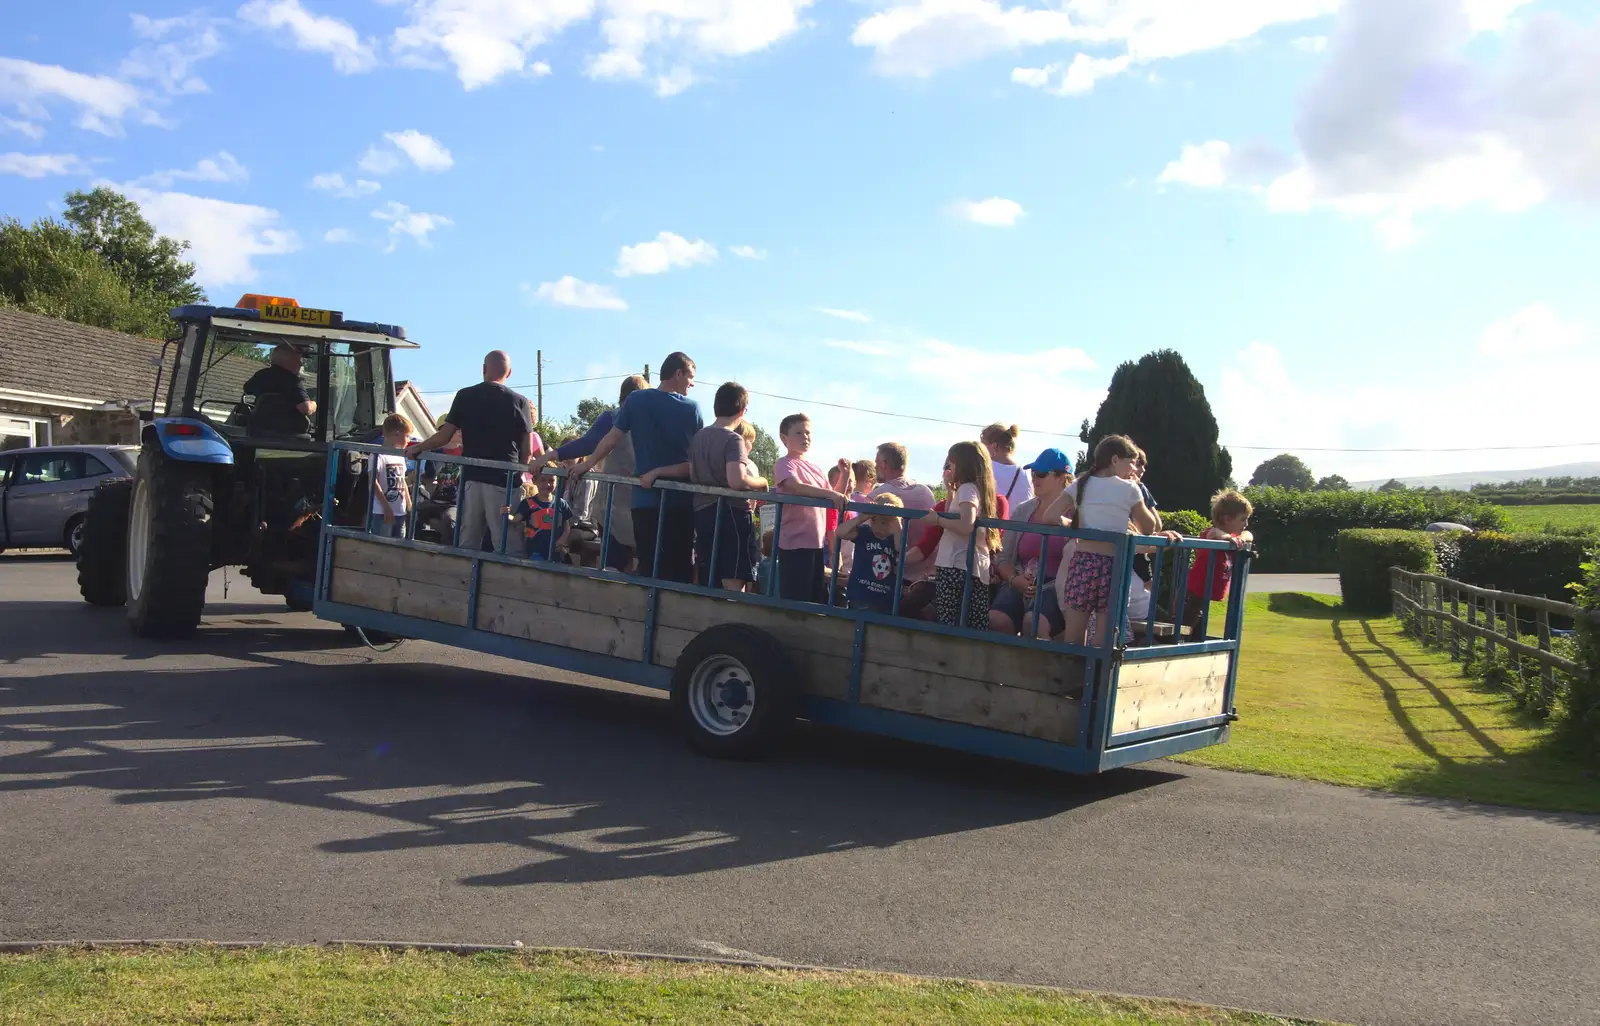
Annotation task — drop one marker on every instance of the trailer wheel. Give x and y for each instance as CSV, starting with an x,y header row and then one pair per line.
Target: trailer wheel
x,y
103,553
734,692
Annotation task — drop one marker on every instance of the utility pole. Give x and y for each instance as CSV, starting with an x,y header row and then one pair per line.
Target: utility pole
x,y
647,374
539,402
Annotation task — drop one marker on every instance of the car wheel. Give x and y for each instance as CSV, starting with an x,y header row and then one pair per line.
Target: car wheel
x,y
73,536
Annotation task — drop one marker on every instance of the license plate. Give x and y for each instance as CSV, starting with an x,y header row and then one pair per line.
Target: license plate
x,y
300,315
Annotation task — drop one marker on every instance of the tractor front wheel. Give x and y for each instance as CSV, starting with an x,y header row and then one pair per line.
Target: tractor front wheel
x,y
169,546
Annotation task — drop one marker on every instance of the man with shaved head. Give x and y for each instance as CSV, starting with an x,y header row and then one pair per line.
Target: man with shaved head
x,y
494,423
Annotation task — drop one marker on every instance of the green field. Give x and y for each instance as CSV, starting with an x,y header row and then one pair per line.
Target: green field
x,y
204,985
1534,518
1326,695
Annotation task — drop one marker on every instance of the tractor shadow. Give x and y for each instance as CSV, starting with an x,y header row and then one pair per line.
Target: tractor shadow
x,y
252,632
579,783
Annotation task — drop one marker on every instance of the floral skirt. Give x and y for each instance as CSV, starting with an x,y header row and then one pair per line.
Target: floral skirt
x,y
1089,581
948,585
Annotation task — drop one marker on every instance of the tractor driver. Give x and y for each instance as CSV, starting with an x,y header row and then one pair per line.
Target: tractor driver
x,y
282,405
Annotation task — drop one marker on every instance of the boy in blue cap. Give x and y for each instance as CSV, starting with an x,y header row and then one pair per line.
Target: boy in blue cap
x,y
1020,569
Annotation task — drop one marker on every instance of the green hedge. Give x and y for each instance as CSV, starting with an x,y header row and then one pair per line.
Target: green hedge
x,y
1365,556
1186,522
1297,532
1581,722
1545,499
1524,563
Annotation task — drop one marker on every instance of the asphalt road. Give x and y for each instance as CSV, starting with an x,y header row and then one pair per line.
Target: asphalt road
x,y
267,781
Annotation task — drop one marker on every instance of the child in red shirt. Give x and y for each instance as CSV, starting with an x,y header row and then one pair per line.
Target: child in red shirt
x,y
1230,515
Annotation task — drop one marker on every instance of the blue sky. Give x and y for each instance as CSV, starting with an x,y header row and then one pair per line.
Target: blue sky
x,y
1365,225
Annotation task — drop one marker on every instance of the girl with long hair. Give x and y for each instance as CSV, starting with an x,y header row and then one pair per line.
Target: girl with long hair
x,y
968,475
1107,498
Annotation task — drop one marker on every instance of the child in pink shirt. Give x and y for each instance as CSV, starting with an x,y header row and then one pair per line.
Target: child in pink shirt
x,y
800,539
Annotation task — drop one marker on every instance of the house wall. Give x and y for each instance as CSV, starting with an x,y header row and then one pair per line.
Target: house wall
x,y
79,427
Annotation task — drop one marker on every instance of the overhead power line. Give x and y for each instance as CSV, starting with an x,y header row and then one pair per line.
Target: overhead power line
x,y
1074,435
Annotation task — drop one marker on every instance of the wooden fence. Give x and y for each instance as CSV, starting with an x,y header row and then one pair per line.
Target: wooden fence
x,y
1433,606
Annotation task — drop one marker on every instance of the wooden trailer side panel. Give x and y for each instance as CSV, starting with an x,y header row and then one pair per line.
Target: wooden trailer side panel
x,y
407,582
584,613
1161,692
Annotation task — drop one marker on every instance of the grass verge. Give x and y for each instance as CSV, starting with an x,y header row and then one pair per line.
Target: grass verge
x,y
1561,517
1327,695
111,986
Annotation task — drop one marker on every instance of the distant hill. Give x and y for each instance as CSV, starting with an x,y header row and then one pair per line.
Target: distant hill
x,y
1467,479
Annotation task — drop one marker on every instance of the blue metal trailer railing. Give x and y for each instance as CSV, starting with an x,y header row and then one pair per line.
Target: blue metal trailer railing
x,y
1104,737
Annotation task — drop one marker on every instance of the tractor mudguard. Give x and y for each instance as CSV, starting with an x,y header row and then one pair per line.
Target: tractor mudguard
x,y
190,440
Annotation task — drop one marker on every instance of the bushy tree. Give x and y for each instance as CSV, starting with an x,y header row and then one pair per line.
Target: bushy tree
x,y
45,269
113,226
1394,484
589,411
104,265
1333,483
764,453
1158,402
1284,471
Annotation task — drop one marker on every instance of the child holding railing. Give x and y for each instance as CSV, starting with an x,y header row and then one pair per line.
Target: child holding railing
x,y
968,476
800,539
877,557
1230,516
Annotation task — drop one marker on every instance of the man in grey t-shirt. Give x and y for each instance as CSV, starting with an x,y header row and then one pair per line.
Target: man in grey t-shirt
x,y
717,457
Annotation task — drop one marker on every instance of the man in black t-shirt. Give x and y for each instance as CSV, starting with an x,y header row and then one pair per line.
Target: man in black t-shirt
x,y
282,405
494,423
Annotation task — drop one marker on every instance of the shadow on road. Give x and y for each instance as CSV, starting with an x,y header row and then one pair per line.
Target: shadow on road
x,y
35,630
592,784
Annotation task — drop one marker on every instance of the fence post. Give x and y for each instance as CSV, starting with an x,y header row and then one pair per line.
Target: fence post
x,y
1472,621
1438,607
1512,635
1491,620
1547,673
1455,628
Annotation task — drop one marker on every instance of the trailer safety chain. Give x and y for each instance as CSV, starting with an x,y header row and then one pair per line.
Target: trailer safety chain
x,y
367,642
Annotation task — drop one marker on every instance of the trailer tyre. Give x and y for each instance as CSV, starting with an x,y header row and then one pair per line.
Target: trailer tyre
x,y
169,546
103,551
735,692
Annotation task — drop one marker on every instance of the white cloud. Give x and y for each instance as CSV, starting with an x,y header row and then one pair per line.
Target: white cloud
x,y
578,295
1268,397
222,167
335,183
317,33
1535,330
21,127
1402,122
844,315
223,236
1203,166
102,102
379,161
666,252
920,38
659,41
1079,77
1310,44
405,221
38,165
484,39
748,252
338,235
170,49
996,212
426,152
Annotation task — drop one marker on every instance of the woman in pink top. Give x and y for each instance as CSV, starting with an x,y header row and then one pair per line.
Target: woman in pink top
x,y
800,538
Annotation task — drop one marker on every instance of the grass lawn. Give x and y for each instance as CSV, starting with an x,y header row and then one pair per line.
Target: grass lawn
x,y
1534,518
1325,695
350,985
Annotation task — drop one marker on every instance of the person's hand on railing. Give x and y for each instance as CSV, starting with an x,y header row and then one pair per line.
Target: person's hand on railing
x,y
649,478
542,460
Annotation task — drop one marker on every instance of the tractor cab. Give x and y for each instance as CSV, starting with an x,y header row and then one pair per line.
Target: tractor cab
x,y
233,463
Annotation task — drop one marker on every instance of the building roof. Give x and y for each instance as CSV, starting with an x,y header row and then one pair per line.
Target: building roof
x,y
65,359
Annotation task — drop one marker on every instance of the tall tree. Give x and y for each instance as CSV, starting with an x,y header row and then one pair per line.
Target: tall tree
x,y
46,269
764,453
1332,483
589,411
1160,405
113,226
1394,484
1284,471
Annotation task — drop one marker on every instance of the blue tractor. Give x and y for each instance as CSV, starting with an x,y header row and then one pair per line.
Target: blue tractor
x,y
233,459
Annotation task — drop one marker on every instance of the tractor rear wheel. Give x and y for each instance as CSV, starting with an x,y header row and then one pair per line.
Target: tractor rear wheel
x,y
103,554
169,546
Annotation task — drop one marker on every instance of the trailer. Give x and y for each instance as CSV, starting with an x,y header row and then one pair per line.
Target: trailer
x,y
740,667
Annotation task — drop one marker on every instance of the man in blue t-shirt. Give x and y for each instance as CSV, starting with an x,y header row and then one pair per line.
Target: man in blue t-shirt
x,y
660,422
